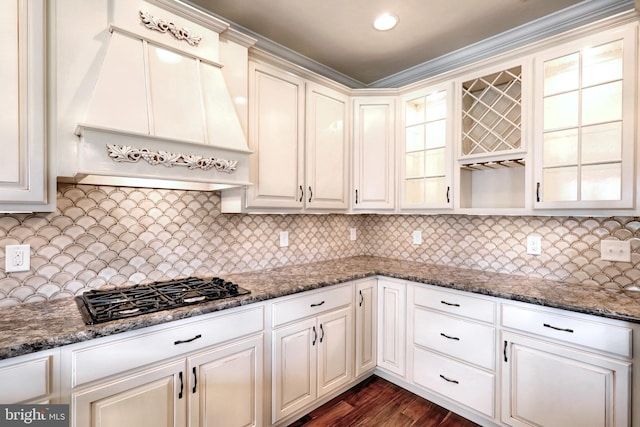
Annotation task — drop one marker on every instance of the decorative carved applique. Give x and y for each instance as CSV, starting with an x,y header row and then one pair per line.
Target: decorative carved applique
x,y
125,153
163,26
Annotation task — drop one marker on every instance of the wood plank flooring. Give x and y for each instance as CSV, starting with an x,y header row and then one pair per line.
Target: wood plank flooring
x,y
376,402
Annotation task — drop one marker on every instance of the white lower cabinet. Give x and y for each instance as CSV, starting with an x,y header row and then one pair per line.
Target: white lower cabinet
x,y
313,355
33,378
549,380
452,346
201,373
392,313
366,315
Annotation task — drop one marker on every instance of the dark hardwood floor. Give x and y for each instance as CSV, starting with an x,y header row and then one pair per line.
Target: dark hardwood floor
x,y
376,402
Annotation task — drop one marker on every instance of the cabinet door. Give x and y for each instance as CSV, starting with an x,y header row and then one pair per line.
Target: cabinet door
x,y
426,181
326,149
293,367
391,325
585,115
23,166
549,385
276,135
373,153
150,398
225,385
335,350
366,308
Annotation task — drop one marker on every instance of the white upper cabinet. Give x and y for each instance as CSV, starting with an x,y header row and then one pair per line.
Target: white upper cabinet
x,y
276,136
298,132
426,177
373,153
24,185
326,148
585,118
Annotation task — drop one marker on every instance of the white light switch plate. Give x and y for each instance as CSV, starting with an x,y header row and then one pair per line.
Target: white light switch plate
x,y
352,234
17,258
284,239
615,250
417,237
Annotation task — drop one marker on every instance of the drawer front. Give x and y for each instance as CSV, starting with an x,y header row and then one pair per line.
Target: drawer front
x,y
24,382
462,383
455,303
572,330
462,339
311,304
116,356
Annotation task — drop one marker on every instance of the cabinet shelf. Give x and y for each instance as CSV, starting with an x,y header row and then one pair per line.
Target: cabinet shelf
x,y
498,164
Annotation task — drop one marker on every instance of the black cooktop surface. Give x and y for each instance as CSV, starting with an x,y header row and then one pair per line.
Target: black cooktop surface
x,y
99,306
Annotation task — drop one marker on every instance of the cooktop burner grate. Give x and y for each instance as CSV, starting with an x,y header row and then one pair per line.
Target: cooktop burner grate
x,y
99,306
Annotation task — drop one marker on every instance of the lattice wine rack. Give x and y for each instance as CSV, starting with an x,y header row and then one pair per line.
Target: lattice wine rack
x,y
491,114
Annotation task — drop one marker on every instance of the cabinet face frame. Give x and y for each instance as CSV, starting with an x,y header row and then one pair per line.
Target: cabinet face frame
x,y
447,90
628,184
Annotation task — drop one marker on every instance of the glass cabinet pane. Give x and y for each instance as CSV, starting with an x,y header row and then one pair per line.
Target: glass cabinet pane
x,y
415,164
602,103
561,111
561,74
415,138
602,63
415,112
560,148
436,106
601,182
435,163
414,191
560,184
436,134
436,189
602,143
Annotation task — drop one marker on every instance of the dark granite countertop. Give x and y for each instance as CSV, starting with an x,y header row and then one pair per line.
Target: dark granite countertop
x,y
39,326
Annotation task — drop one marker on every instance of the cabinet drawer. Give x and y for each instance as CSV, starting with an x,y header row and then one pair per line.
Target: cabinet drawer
x,y
572,330
138,348
25,381
311,304
455,303
462,339
462,383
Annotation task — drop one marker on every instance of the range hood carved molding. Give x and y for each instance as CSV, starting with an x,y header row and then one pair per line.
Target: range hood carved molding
x,y
161,93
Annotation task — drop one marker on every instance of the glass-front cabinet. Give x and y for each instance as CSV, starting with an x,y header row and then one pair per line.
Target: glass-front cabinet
x,y
426,179
585,113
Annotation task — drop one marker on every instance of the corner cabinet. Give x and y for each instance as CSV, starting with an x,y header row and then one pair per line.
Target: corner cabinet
x,y
374,153
392,314
24,184
586,114
426,178
366,316
298,131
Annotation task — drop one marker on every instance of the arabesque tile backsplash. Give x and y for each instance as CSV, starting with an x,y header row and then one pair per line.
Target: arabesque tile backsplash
x,y
113,236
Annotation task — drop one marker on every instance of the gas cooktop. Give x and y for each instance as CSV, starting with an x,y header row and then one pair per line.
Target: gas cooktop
x,y
98,306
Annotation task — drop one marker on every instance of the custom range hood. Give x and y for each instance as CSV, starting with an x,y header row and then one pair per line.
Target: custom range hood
x,y
161,114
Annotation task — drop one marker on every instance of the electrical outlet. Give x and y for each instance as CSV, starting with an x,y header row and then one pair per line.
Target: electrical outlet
x,y
615,250
284,239
17,258
417,237
534,245
352,234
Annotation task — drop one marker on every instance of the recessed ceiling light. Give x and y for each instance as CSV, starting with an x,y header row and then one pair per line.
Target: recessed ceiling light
x,y
385,22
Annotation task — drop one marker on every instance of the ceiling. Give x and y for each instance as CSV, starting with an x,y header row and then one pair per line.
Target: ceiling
x,y
339,34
